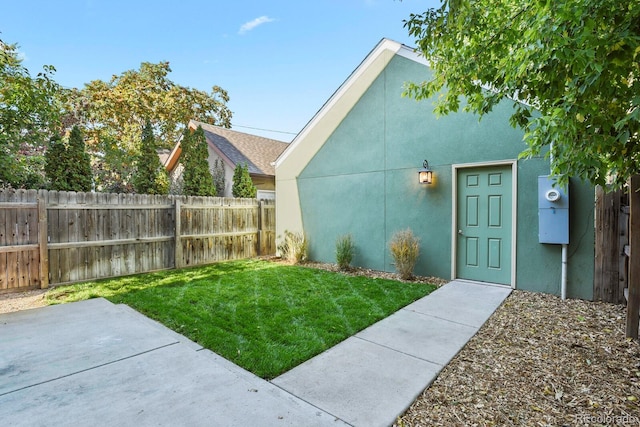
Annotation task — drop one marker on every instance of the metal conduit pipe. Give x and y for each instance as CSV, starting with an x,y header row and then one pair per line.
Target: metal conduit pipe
x,y
563,277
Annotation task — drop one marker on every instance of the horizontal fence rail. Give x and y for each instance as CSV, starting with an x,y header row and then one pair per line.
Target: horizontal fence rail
x,y
50,237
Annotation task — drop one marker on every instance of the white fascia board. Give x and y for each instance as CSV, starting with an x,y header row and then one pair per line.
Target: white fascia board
x,y
413,54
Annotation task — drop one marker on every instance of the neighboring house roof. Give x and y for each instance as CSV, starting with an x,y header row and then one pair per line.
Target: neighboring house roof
x,y
257,152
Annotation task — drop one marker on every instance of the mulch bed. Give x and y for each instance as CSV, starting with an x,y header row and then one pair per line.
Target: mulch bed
x,y
539,361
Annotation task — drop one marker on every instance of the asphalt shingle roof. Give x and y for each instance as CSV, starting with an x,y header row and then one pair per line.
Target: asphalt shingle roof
x,y
256,151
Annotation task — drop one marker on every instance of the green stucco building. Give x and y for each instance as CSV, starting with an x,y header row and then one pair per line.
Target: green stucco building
x,y
353,169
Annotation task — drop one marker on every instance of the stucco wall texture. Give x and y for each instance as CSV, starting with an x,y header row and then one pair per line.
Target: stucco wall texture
x,y
363,181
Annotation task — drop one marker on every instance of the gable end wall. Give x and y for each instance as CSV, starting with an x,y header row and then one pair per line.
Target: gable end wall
x,y
363,180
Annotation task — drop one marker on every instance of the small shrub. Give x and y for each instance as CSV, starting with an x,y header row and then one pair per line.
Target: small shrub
x,y
405,248
344,251
242,184
294,247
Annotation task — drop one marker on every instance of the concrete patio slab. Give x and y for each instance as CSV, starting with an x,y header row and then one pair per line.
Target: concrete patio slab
x,y
52,342
128,311
95,363
171,386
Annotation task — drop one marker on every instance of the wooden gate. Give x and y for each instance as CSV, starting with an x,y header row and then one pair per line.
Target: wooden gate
x,y
23,253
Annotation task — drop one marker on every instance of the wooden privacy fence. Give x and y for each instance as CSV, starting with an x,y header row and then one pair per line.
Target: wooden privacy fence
x,y
22,239
49,237
611,246
231,228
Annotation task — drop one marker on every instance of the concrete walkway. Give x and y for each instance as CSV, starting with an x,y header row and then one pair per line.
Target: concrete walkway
x,y
372,378
97,363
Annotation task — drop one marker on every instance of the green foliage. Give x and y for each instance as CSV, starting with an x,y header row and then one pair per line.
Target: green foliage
x,y
68,166
150,176
114,166
196,178
55,167
30,109
122,106
79,163
113,114
405,249
294,247
266,317
218,177
345,250
242,184
576,63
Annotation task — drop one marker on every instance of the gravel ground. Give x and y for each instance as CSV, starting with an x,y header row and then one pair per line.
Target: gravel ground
x,y
538,361
22,300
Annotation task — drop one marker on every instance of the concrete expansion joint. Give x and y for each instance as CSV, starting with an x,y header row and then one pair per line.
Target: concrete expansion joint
x,y
443,319
88,369
337,418
413,356
488,284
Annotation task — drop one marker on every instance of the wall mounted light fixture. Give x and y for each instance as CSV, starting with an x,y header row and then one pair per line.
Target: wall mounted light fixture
x,y
425,175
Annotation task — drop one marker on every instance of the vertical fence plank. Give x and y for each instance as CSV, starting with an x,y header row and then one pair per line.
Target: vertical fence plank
x,y
21,238
90,234
73,253
3,255
42,243
179,262
63,224
623,263
52,232
607,254
12,239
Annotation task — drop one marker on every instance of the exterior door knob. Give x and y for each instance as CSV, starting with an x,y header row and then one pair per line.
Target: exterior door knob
x,y
460,232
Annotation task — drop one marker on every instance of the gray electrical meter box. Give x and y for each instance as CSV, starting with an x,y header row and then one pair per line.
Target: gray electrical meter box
x,y
553,212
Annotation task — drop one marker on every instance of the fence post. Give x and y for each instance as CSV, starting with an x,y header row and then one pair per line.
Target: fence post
x,y
260,225
178,243
43,243
633,305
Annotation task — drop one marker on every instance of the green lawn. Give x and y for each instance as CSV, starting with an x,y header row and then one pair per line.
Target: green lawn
x,y
264,316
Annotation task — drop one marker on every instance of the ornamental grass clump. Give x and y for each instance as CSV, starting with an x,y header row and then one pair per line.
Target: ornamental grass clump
x,y
344,251
405,249
294,247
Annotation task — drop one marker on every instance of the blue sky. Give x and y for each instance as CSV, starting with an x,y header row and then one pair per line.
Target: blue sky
x,y
280,60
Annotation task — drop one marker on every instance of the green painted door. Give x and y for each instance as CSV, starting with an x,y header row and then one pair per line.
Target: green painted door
x,y
484,224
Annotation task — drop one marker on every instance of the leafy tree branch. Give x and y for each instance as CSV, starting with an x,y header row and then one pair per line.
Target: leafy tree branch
x,y
575,62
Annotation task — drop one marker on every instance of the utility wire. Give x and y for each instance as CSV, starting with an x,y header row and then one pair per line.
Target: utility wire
x,y
265,130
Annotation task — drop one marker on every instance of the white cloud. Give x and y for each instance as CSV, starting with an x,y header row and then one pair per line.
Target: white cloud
x,y
248,26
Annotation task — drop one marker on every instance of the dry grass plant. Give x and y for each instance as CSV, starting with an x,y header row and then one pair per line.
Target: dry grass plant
x,y
295,247
405,249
